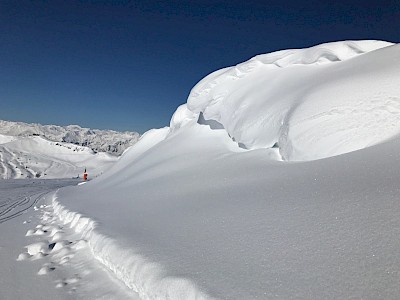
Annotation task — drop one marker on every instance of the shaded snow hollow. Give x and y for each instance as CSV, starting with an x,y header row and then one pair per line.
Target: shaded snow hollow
x,y
190,213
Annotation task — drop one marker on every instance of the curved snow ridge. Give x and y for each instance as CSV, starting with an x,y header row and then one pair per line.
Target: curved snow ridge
x,y
146,278
312,103
320,54
182,117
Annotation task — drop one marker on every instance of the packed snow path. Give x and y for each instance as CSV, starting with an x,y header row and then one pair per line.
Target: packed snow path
x,y
19,196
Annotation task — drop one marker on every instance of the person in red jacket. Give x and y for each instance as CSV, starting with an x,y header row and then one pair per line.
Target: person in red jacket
x,y
85,175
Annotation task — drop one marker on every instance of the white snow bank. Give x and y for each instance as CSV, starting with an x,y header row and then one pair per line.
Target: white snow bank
x,y
133,154
239,224
182,117
146,278
314,103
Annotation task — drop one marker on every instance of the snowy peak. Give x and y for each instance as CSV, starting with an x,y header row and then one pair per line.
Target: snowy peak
x,y
50,151
98,140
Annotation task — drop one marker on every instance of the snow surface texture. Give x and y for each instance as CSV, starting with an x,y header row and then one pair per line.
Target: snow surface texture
x,y
41,256
35,157
109,141
189,212
20,202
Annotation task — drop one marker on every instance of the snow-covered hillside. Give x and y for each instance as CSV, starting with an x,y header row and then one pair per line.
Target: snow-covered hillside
x,y
36,157
109,141
214,206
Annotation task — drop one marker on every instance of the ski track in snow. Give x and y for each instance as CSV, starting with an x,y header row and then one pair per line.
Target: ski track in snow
x,y
11,166
3,169
19,206
19,196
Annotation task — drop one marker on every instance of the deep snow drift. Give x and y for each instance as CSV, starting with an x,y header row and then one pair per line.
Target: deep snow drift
x,y
215,207
314,103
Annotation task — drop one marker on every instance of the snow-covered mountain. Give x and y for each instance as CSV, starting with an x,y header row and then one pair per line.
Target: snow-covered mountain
x,y
277,180
109,141
36,157
50,151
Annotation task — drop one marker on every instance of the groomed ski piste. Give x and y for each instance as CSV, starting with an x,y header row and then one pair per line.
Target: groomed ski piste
x,y
277,180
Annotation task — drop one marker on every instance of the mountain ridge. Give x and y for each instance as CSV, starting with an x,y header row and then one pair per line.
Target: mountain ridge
x,y
109,141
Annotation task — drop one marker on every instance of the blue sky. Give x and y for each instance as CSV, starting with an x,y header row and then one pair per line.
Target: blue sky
x,y
127,65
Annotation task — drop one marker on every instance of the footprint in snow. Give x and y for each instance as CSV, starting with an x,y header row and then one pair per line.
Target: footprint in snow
x,y
68,282
46,268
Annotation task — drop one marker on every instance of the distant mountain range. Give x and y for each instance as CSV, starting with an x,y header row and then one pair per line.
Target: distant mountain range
x,y
109,141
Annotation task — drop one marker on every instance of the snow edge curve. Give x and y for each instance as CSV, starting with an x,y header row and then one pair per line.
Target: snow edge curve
x,y
148,279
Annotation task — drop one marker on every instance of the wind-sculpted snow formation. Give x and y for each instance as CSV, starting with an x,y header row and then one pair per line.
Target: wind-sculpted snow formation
x,y
109,141
313,103
213,207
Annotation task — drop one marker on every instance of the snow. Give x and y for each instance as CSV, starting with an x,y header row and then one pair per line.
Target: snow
x,y
41,257
242,225
6,139
32,156
314,103
277,180
18,280
98,140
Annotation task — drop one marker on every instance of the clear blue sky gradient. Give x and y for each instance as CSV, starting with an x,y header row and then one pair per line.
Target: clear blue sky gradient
x,y
127,65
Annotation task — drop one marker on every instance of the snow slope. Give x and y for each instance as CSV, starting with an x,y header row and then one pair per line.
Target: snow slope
x,y
33,157
109,141
234,200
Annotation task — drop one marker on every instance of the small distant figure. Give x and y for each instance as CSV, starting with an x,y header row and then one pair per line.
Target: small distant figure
x,y
85,175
